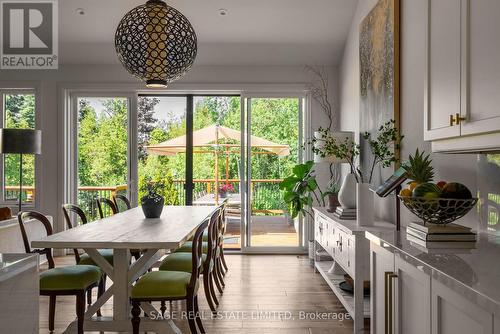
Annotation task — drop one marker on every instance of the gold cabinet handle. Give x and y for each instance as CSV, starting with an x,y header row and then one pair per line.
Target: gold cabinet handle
x,y
456,119
388,278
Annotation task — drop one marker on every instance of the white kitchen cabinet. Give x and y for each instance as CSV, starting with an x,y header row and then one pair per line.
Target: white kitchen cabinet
x,y
452,313
443,83
462,92
381,262
410,296
412,313
482,74
400,301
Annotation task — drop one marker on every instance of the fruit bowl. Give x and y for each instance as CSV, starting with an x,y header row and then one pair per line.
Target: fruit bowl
x,y
438,210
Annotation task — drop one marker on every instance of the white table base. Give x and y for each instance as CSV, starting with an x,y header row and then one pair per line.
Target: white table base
x,y
123,275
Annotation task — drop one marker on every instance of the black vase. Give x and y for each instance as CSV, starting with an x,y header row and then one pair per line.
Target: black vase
x,y
152,206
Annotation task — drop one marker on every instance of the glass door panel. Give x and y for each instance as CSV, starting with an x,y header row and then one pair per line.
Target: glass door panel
x,y
216,158
274,149
102,147
161,140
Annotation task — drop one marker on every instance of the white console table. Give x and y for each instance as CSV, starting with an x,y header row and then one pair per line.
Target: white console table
x,y
345,242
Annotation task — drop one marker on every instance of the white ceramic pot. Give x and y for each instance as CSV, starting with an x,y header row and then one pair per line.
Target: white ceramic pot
x,y
365,206
347,193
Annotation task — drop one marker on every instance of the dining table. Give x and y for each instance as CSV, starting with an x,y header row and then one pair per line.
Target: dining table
x,y
123,232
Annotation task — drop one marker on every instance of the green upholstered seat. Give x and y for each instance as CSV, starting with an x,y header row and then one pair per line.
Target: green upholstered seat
x,y
77,277
87,260
180,262
162,284
188,245
205,236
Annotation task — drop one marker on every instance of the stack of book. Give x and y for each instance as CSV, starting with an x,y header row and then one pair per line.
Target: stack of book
x,y
450,236
342,213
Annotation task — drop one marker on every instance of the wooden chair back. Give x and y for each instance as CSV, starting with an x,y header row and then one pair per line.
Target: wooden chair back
x,y
106,201
123,199
213,235
24,216
67,210
197,253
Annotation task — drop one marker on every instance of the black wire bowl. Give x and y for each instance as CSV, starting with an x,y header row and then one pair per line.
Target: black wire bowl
x,y
440,211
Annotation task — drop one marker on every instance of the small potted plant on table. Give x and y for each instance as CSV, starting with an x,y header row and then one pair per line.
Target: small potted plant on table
x,y
152,203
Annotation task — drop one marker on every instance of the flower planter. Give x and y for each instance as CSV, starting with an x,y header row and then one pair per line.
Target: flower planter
x,y
152,206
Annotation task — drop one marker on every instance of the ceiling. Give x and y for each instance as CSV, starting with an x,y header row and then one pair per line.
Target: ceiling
x,y
254,32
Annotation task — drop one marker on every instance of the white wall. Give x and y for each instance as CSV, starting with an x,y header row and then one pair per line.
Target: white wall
x,y
459,168
50,82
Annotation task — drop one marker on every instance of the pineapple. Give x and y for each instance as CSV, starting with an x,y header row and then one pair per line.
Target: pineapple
x,y
419,168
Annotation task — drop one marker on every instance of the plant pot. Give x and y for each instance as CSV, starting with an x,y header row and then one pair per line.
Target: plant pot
x,y
365,205
347,193
222,194
152,206
333,202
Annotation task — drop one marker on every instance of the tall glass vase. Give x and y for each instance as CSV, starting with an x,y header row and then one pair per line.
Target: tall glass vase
x,y
365,204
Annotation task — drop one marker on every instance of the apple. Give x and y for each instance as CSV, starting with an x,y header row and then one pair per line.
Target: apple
x,y
441,184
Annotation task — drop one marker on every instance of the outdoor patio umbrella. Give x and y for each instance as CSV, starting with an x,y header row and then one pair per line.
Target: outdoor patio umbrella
x,y
209,137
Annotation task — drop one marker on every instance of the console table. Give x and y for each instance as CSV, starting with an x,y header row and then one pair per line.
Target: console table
x,y
345,242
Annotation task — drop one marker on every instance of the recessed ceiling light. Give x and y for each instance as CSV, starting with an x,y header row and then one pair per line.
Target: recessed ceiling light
x,y
223,12
80,11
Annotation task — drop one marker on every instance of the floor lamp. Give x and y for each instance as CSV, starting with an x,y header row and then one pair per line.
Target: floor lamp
x,y
20,141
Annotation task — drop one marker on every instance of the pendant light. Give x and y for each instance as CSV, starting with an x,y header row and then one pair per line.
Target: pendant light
x,y
156,43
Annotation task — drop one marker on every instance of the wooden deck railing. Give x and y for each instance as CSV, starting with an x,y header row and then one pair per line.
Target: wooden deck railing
x,y
266,196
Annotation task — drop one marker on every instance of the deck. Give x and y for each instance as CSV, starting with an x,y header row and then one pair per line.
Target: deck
x,y
266,231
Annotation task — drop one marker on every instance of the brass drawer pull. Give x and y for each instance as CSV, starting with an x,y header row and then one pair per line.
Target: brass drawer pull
x,y
388,278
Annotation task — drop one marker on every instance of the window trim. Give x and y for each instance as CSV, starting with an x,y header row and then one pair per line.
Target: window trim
x,y
21,91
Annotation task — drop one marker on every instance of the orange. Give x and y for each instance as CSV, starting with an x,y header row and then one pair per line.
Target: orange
x,y
405,193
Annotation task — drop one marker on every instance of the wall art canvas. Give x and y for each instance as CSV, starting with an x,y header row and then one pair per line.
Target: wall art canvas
x,y
379,77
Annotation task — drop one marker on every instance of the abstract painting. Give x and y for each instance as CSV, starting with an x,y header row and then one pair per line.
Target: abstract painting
x,y
379,77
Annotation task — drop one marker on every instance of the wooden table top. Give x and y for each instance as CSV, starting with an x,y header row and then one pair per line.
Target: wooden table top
x,y
131,230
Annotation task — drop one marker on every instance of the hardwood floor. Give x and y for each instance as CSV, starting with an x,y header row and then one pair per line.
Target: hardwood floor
x,y
264,294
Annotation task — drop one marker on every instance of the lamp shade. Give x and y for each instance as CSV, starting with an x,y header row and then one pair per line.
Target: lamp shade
x,y
339,137
20,141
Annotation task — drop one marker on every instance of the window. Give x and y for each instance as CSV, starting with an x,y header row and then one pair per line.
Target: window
x,y
18,112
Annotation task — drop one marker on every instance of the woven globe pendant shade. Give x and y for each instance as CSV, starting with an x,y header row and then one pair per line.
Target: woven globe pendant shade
x,y
156,43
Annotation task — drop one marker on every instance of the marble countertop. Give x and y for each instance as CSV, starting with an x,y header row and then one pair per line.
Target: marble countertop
x,y
469,270
13,264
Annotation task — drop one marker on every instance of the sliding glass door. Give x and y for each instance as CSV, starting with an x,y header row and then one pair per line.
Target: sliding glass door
x,y
201,150
161,146
273,146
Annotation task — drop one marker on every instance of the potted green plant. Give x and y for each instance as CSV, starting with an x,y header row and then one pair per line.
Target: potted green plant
x,y
383,146
332,193
300,190
152,203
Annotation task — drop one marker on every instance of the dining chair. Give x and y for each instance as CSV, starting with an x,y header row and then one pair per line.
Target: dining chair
x,y
168,286
217,270
121,198
101,201
181,261
74,280
222,231
85,259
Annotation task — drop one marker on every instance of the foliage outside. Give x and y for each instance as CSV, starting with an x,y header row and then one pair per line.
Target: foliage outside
x,y
102,146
